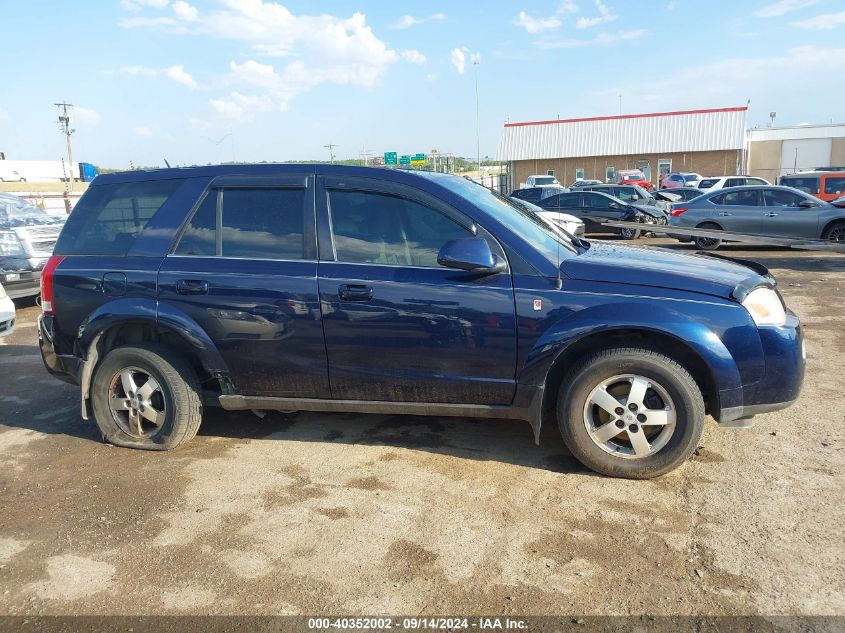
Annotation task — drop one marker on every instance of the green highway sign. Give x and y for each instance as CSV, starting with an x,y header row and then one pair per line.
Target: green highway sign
x,y
405,160
390,158
418,159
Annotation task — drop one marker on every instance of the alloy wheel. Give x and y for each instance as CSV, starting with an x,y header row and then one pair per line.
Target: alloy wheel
x,y
837,234
630,416
136,402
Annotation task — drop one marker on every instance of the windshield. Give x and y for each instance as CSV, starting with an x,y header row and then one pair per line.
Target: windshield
x,y
544,180
517,216
16,211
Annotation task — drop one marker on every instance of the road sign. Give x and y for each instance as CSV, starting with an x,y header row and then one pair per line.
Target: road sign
x,y
418,159
405,160
390,158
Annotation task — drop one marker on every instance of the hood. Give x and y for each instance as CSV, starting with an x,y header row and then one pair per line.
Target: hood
x,y
659,268
653,211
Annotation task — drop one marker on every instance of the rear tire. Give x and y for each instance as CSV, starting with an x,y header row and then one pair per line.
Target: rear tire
x,y
835,232
629,234
657,417
707,243
146,398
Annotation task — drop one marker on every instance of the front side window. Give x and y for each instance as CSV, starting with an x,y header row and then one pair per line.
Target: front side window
x,y
834,185
377,228
596,201
109,218
780,198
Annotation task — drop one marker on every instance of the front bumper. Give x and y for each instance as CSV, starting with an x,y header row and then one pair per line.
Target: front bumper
x,y
7,317
63,367
785,358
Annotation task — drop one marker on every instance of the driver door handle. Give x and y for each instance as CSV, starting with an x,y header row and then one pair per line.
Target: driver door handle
x,y
192,287
771,215
355,292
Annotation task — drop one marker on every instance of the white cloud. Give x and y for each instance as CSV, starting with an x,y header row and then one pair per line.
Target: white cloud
x,y
413,56
407,21
242,107
136,5
86,116
4,114
603,17
177,73
131,23
431,77
821,22
143,131
783,7
602,39
538,25
185,11
459,60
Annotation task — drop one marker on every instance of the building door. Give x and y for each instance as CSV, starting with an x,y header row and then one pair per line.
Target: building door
x,y
664,166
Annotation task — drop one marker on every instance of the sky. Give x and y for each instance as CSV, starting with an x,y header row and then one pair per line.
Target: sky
x,y
207,81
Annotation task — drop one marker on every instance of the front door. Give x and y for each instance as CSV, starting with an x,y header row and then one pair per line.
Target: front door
x,y
784,217
399,327
245,270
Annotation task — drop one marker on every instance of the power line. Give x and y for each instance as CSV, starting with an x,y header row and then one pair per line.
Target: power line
x,y
331,147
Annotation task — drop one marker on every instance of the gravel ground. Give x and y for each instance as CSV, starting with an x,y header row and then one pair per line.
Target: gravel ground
x,y
352,514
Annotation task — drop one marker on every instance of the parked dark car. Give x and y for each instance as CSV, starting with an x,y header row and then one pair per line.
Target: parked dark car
x,y
27,237
333,288
760,210
584,182
684,193
535,194
632,194
596,208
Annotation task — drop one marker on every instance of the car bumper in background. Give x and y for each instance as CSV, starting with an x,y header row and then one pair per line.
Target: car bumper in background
x,y
22,283
7,316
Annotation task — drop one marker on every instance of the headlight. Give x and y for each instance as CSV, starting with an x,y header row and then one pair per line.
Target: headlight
x,y
765,307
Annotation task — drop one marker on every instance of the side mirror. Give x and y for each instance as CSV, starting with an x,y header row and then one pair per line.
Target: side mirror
x,y
807,204
635,197
472,254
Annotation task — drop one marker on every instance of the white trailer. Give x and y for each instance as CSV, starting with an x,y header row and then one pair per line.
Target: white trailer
x,y
37,171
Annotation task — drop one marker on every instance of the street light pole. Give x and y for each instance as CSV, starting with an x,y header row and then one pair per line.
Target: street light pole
x,y
64,125
331,147
475,63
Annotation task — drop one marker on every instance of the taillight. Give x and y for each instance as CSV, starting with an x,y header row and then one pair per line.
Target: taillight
x,y
676,211
47,283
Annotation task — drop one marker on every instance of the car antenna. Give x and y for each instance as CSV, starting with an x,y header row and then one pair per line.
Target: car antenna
x,y
558,281
166,163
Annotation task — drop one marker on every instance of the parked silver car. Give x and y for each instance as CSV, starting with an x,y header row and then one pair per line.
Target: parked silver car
x,y
759,210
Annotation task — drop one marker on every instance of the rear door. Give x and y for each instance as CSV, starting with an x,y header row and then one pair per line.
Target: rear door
x,y
399,327
245,269
739,210
597,209
783,216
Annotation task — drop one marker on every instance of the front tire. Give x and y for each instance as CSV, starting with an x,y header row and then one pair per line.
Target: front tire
x,y
146,398
629,234
630,412
835,232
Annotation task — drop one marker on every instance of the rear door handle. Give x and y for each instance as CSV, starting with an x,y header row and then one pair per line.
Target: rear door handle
x,y
192,287
354,292
771,215
725,214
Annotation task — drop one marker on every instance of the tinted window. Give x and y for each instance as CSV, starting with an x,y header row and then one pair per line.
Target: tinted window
x,y
544,180
780,198
835,185
739,198
263,223
108,218
734,182
596,201
374,228
200,236
690,178
533,194
807,184
755,181
707,183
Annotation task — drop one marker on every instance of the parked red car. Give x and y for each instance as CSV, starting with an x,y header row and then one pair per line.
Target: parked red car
x,y
633,177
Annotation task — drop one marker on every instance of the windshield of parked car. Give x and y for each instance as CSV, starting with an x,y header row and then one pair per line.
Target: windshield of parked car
x,y
545,180
516,216
690,178
16,211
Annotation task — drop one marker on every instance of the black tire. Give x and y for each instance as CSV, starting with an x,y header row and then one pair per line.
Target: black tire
x,y
707,243
835,232
629,234
660,370
179,396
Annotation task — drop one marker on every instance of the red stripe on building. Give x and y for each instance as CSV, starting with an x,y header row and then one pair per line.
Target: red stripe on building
x,y
628,116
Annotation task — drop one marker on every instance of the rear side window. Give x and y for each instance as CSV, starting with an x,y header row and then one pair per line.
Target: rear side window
x,y
109,218
256,223
739,199
707,183
834,185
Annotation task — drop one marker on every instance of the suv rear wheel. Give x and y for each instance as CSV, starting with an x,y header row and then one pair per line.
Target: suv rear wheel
x,y
146,398
629,412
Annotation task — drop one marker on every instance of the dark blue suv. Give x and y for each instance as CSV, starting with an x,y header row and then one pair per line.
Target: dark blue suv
x,y
330,288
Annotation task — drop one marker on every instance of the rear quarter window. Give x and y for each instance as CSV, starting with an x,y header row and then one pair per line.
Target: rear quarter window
x,y
834,185
109,218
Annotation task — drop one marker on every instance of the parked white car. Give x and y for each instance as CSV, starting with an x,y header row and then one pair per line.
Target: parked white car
x,y
569,223
7,314
722,182
539,181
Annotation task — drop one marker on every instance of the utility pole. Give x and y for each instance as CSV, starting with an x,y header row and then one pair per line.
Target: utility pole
x,y
64,126
331,147
475,63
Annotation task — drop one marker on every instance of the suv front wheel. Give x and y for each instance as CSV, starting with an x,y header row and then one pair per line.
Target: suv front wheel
x,y
146,398
630,412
